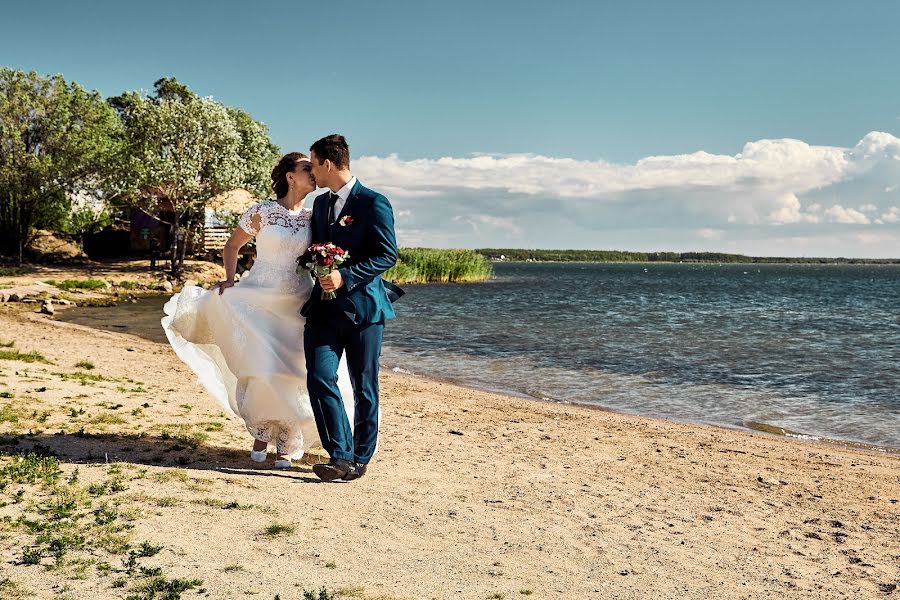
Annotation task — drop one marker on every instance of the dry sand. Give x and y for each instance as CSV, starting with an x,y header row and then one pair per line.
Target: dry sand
x,y
472,495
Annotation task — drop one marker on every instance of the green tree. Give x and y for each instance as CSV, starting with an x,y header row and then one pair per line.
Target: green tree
x,y
84,217
183,149
56,140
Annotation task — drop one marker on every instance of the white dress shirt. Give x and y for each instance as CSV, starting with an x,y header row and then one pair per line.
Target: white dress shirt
x,y
343,194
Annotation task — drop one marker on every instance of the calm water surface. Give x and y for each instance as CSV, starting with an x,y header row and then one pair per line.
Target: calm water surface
x,y
808,348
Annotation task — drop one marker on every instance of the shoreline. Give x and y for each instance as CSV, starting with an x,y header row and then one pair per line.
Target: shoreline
x,y
759,428
146,284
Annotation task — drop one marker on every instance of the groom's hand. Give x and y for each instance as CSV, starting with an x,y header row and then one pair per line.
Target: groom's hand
x,y
332,282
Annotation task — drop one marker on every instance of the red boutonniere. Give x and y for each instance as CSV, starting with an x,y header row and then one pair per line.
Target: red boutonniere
x,y
346,220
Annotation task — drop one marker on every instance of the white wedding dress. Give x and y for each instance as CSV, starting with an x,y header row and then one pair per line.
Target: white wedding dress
x,y
246,346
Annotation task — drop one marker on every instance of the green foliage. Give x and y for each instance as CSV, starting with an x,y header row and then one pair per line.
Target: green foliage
x,y
425,265
84,364
322,594
31,556
277,529
77,284
148,549
258,152
58,140
84,219
160,588
31,468
29,357
183,150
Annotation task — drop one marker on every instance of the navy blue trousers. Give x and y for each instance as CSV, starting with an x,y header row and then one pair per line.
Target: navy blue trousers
x,y
328,335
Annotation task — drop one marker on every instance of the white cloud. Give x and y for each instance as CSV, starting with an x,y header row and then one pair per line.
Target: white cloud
x,y
486,223
540,201
891,216
848,216
787,165
711,234
790,211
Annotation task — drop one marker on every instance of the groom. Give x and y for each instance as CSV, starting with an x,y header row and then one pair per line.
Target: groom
x,y
361,222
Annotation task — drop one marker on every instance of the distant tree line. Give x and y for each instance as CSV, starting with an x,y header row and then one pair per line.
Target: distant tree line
x,y
607,256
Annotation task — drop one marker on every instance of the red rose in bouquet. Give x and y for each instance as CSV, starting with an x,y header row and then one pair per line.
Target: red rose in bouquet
x,y
321,259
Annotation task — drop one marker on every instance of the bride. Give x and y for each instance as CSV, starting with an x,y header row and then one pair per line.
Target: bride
x,y
244,340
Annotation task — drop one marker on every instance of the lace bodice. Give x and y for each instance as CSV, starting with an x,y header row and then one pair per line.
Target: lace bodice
x,y
281,236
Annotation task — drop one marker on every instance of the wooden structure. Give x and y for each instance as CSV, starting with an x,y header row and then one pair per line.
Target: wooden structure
x,y
148,233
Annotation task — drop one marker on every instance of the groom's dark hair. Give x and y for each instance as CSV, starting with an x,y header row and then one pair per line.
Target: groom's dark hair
x,y
334,148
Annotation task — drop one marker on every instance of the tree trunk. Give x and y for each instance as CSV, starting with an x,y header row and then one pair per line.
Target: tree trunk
x,y
184,244
173,250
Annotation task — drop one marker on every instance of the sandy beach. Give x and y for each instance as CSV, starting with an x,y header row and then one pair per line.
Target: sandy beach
x,y
472,495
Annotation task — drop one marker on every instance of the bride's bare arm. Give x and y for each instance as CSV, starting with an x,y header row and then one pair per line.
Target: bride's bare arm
x,y
230,253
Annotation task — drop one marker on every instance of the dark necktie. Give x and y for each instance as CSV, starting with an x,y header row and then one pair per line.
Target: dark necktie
x,y
332,199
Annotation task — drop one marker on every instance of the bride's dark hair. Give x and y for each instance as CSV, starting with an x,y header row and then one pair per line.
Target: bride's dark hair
x,y
286,165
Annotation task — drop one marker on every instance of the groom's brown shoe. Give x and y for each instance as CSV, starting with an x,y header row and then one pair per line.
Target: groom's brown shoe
x,y
335,469
356,471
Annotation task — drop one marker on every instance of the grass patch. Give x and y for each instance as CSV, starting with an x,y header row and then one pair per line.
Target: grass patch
x,y
148,549
107,419
277,529
322,594
166,501
11,590
183,436
77,284
160,588
30,468
167,476
233,568
427,265
218,503
7,344
11,413
29,357
84,364
84,378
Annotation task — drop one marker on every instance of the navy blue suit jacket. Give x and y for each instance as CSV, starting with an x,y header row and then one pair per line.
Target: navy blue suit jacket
x,y
365,297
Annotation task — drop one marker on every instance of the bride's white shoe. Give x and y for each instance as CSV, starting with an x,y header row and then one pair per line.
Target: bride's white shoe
x,y
259,456
283,463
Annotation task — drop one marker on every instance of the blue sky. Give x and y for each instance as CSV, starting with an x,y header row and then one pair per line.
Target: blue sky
x,y
599,84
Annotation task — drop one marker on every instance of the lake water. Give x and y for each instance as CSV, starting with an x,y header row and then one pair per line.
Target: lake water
x,y
811,349
808,348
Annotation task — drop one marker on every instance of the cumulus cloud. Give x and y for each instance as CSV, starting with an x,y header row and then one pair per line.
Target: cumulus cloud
x,y
659,201
839,214
892,215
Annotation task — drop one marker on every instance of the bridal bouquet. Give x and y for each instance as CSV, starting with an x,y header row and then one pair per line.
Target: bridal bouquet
x,y
320,260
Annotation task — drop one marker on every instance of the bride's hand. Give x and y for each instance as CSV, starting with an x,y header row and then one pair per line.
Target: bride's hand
x,y
222,285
